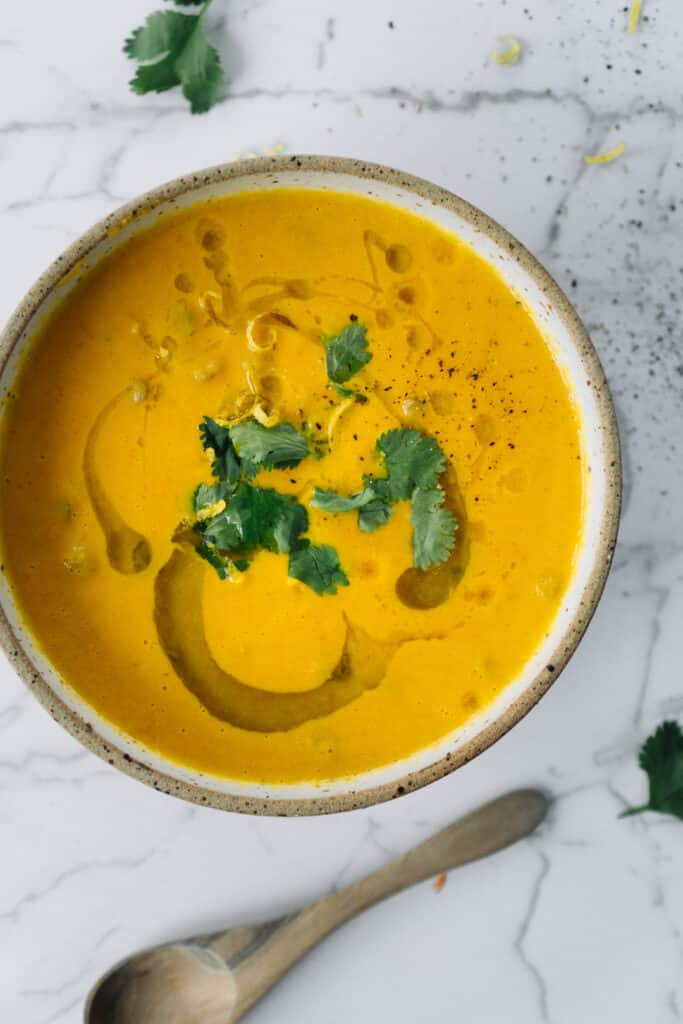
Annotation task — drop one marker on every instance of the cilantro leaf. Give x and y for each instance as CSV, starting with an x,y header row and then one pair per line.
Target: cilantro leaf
x,y
200,72
413,463
661,757
412,460
290,524
347,353
243,449
260,447
374,514
207,495
330,501
433,528
253,517
157,77
317,565
162,33
373,509
248,520
257,517
215,438
235,519
175,41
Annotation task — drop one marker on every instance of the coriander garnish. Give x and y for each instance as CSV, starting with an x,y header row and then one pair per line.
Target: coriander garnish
x,y
661,757
412,460
225,462
245,448
235,519
414,463
433,527
172,49
259,447
346,353
318,567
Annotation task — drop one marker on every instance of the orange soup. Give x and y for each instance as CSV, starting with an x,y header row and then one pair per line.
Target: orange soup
x,y
292,486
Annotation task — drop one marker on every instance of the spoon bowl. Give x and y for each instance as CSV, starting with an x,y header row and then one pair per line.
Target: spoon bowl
x,y
183,984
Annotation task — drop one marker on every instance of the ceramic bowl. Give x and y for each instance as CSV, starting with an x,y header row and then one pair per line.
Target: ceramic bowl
x,y
565,335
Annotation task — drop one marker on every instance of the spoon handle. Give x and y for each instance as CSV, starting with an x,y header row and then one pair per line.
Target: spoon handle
x,y
490,828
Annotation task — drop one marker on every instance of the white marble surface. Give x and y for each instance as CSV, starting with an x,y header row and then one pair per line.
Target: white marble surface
x,y
582,923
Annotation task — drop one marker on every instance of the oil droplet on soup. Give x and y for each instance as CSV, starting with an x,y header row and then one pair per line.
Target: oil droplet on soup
x,y
224,310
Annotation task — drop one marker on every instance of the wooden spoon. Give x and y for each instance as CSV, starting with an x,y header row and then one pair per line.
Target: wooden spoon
x,y
215,979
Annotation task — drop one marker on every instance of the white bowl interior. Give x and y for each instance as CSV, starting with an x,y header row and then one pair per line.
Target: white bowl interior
x,y
597,456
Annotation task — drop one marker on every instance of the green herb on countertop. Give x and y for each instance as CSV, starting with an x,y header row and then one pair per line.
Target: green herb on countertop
x,y
171,49
661,757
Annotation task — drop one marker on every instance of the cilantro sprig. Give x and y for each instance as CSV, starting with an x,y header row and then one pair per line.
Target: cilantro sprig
x,y
252,518
433,527
245,448
217,439
235,519
260,447
317,565
661,758
346,354
413,462
172,49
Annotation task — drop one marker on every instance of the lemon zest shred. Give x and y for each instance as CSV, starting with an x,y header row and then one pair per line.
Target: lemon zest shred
x,y
250,379
634,16
605,158
511,53
262,416
336,415
209,511
253,343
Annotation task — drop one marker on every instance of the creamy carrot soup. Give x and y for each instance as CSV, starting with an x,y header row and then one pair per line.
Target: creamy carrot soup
x,y
292,486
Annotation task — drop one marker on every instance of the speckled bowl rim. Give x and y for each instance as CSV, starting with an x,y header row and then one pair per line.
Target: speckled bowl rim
x,y
602,554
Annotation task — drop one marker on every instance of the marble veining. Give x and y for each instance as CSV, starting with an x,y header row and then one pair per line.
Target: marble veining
x,y
584,921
